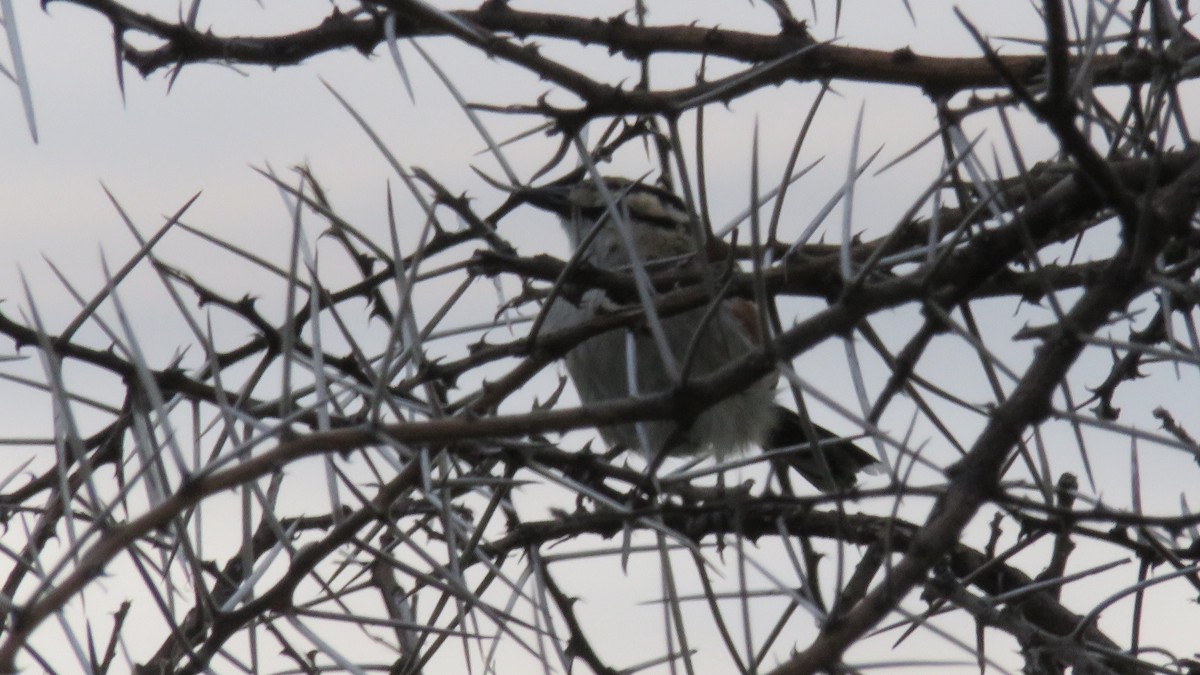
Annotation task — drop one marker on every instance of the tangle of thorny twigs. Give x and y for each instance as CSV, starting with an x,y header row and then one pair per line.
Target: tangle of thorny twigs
x,y
455,525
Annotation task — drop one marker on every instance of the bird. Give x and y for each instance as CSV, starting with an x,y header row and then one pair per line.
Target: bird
x,y
625,226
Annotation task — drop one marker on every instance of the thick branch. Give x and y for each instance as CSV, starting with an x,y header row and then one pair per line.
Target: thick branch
x,y
975,478
944,75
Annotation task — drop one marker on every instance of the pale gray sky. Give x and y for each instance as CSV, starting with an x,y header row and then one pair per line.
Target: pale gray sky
x,y
155,149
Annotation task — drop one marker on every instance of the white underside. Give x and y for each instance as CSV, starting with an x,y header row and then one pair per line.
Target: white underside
x,y
599,370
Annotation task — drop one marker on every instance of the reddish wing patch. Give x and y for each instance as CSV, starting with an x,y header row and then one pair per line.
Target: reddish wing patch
x,y
745,312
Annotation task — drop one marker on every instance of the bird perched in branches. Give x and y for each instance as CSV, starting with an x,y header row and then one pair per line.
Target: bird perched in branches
x,y
628,227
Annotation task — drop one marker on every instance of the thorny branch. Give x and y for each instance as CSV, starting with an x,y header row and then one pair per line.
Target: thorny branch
x,y
452,506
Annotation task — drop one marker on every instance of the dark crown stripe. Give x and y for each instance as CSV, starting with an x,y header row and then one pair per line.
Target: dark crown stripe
x,y
665,196
595,213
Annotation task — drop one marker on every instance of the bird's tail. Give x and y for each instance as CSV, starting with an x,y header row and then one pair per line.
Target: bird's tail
x,y
831,464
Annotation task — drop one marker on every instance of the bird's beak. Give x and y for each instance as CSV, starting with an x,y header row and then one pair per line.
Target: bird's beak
x,y
553,198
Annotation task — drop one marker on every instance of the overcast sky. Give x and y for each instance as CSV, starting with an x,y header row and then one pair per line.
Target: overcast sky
x,y
154,148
